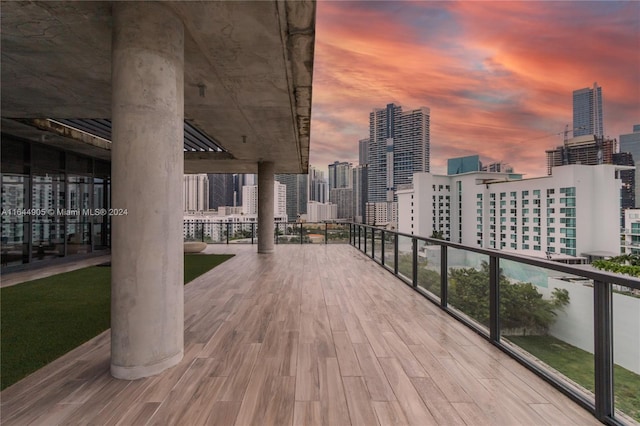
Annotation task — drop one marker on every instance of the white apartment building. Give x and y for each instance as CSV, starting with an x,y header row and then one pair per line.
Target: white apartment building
x,y
573,212
250,199
215,227
382,214
631,232
320,212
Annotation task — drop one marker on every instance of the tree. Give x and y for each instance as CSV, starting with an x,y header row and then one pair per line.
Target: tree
x,y
521,305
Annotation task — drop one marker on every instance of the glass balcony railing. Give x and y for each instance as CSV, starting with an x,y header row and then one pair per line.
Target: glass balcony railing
x,y
284,233
576,327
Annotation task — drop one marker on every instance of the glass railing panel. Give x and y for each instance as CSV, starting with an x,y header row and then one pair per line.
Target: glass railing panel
x,y
405,258
240,233
468,285
547,316
626,353
429,267
337,233
288,233
389,247
313,233
365,240
377,245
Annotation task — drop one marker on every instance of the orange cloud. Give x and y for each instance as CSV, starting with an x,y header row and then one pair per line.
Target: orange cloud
x,y
498,77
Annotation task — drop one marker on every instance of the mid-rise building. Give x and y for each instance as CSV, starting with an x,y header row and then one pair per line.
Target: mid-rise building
x,y
250,199
399,146
383,214
196,193
321,212
587,111
590,150
631,232
549,215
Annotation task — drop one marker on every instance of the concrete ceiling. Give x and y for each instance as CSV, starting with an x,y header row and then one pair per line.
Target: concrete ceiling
x,y
247,77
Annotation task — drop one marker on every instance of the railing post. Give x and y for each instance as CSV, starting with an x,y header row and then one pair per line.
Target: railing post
x,y
202,232
395,254
382,242
494,299
414,252
326,233
253,232
365,240
444,285
373,244
350,234
359,237
228,231
603,349
300,233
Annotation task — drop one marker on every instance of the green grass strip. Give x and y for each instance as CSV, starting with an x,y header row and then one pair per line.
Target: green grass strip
x,y
578,365
43,319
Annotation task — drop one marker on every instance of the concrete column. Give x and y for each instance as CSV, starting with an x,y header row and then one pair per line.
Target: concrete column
x,y
265,207
147,299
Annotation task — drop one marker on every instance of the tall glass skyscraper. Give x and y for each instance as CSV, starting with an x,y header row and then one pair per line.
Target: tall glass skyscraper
x,y
399,145
587,111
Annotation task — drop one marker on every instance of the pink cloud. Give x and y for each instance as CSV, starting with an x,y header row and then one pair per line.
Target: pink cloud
x,y
498,77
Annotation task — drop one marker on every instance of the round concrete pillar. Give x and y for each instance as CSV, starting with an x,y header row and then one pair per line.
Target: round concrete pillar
x,y
147,299
265,207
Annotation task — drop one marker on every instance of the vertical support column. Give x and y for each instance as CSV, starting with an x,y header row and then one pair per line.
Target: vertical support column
x,y
265,207
147,299
414,262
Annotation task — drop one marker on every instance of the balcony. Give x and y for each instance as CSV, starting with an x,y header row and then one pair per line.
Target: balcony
x,y
313,334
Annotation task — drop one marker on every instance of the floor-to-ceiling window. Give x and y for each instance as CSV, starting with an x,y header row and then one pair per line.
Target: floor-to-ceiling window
x,y
54,203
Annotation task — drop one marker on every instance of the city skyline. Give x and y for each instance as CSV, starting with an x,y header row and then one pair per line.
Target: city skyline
x,y
498,77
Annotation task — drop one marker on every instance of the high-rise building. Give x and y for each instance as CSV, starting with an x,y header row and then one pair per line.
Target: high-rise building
x,y
317,185
196,193
363,151
628,178
220,190
360,176
398,148
340,176
589,150
546,217
630,143
587,111
343,198
297,187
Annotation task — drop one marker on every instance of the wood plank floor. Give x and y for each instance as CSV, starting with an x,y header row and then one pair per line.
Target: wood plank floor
x,y
310,335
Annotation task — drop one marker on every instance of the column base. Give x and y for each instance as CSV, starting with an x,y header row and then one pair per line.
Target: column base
x,y
265,251
133,373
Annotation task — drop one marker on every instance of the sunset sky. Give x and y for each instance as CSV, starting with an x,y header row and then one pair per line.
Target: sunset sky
x,y
497,76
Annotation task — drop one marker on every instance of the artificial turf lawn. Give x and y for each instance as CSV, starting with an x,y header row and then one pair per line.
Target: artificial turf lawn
x,y
43,319
578,365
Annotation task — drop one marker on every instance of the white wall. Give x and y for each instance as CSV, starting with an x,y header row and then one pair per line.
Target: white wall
x,y
574,325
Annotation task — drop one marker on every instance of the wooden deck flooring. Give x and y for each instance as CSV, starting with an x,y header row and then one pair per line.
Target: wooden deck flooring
x,y
311,335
